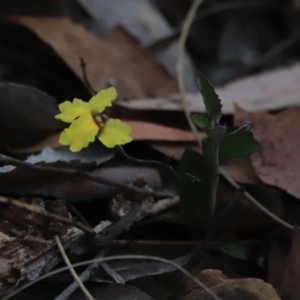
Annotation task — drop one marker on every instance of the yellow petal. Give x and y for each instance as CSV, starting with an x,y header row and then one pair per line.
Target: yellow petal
x,y
80,133
115,133
72,110
103,99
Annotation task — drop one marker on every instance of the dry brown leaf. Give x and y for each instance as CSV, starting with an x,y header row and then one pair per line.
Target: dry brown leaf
x,y
226,288
292,269
141,131
116,60
266,91
279,163
150,131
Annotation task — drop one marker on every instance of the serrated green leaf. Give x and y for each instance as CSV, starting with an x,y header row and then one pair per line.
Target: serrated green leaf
x,y
237,145
211,99
200,120
194,195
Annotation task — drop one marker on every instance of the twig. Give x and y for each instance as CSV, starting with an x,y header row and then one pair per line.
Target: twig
x,y
141,193
88,272
37,210
179,63
85,77
144,161
254,201
71,269
119,257
182,40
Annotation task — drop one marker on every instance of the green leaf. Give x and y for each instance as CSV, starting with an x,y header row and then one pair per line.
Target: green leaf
x,y
234,250
200,120
207,149
211,99
194,194
216,134
236,145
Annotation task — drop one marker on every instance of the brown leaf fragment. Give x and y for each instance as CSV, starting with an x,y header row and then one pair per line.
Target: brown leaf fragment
x,y
226,288
115,60
271,90
279,162
24,236
292,269
151,131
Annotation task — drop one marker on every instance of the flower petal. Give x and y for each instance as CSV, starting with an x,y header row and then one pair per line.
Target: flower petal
x,y
115,133
80,133
72,110
103,99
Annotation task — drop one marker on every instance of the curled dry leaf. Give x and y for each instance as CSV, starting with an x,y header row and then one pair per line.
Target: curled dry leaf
x,y
278,164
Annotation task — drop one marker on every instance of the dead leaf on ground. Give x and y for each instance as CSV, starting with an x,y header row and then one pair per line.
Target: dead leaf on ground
x,y
150,131
112,291
147,23
279,162
226,288
73,187
26,115
140,131
115,60
292,269
266,91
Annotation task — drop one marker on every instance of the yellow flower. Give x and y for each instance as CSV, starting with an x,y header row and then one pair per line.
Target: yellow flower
x,y
87,122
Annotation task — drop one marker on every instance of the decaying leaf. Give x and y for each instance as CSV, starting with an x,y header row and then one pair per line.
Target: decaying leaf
x,y
278,164
155,132
226,288
266,91
292,269
73,187
26,115
112,292
116,60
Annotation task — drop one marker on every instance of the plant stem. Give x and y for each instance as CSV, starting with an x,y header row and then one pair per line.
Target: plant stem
x,y
214,180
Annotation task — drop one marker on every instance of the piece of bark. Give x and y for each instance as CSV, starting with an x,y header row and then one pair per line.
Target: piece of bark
x,y
25,236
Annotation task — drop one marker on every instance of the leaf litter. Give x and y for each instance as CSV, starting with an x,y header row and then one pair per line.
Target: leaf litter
x,y
113,193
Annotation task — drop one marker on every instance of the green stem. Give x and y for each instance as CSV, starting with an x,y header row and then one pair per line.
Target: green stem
x,y
214,180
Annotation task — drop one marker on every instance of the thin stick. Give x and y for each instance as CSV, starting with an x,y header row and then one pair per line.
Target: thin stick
x,y
254,201
142,193
85,77
119,257
71,269
183,36
179,63
37,210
